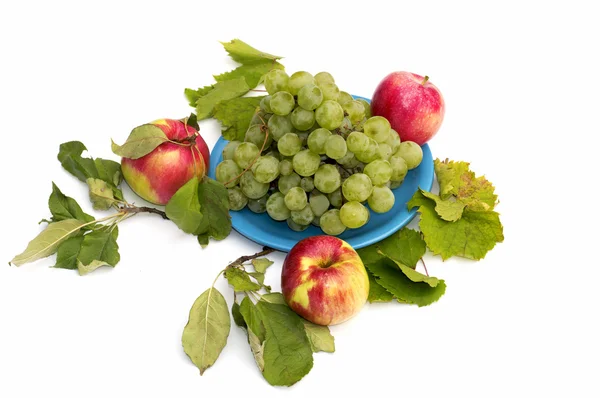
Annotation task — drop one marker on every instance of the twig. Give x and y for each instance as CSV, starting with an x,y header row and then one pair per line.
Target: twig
x,y
241,260
424,266
144,209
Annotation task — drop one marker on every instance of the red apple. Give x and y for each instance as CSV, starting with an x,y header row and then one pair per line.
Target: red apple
x,y
158,175
411,103
324,280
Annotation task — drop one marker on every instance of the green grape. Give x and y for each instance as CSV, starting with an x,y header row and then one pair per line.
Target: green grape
x,y
279,126
330,91
295,199
357,142
358,187
265,169
229,149
245,154
258,205
355,110
344,97
331,223
411,152
295,227
335,147
316,140
329,115
302,217
395,184
316,222
360,126
276,80
228,172
399,168
289,145
346,127
393,140
299,80
288,182
282,103
370,154
257,135
285,167
384,151
376,127
306,162
367,106
354,215
276,207
382,199
349,161
307,183
310,97
302,119
318,203
265,104
327,179
379,171
237,199
324,77
335,197
252,188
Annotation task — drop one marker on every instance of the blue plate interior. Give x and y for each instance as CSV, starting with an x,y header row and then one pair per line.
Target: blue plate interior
x,y
276,234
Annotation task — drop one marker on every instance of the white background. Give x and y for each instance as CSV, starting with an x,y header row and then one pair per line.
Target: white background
x,y
520,80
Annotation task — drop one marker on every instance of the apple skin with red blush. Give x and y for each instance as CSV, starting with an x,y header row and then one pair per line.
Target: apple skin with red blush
x,y
324,280
412,104
156,176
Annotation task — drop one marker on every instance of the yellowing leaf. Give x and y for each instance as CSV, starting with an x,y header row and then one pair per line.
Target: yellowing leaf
x,y
46,243
141,141
455,178
261,264
240,280
245,53
223,90
101,194
448,209
206,332
319,337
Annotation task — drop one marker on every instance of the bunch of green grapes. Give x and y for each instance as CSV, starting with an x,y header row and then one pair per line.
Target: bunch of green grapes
x,y
315,155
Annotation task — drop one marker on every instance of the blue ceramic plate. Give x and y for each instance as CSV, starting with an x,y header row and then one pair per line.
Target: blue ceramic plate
x,y
264,230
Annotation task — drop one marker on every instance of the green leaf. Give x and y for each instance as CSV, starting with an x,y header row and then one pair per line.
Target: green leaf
x,y
448,209
109,171
203,240
455,178
101,194
319,337
141,141
237,315
406,246
273,298
206,332
99,247
184,207
191,121
259,276
261,264
193,95
287,351
66,256
377,293
476,233
214,202
222,91
252,318
407,284
235,116
47,242
244,53
64,207
69,156
251,72
240,280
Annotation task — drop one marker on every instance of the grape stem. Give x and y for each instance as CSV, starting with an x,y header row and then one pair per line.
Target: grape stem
x,y
424,266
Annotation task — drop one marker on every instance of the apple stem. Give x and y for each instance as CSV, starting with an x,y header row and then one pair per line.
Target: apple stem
x,y
424,266
425,80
